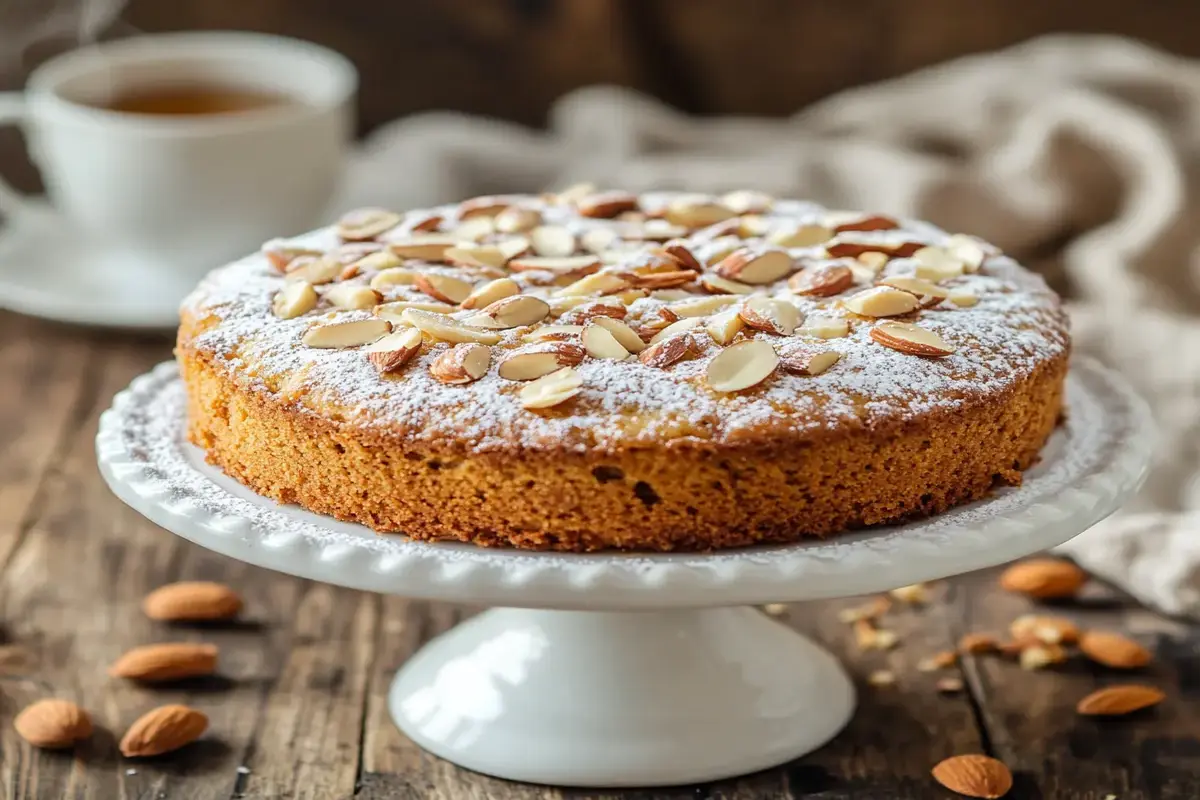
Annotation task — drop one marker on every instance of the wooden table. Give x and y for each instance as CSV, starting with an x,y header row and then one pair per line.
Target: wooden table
x,y
300,708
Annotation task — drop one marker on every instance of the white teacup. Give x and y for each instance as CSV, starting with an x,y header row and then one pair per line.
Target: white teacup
x,y
184,193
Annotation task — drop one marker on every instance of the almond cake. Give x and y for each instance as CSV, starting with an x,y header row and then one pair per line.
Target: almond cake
x,y
598,369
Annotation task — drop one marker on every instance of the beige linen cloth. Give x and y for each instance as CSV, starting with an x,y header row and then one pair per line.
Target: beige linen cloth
x,y
1078,155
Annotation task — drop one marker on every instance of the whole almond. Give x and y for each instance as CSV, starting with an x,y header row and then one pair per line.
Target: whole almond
x,y
1113,701
1044,578
153,663
974,776
53,724
1113,650
163,730
190,601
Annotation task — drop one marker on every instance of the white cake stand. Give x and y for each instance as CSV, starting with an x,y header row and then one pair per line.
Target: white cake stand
x,y
563,685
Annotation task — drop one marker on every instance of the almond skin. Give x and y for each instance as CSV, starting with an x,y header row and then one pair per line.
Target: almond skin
x,y
53,724
1113,701
153,663
1113,650
192,601
974,776
162,730
1044,578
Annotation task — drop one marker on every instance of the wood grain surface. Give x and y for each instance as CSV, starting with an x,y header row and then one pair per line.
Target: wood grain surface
x,y
299,707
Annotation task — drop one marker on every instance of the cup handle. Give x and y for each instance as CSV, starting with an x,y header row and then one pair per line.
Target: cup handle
x,y
12,112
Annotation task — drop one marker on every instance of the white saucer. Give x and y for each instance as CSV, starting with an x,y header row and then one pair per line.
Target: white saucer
x,y
50,269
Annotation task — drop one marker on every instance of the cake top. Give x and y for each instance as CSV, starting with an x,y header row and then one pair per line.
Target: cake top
x,y
604,320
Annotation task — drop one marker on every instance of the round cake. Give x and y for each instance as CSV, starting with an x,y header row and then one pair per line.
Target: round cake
x,y
598,369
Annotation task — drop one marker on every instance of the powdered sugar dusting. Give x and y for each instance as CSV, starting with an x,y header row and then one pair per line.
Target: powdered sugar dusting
x,y
1015,326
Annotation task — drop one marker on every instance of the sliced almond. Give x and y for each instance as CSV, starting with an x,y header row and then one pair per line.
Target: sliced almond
x,y
487,255
657,230
393,312
742,365
704,306
624,334
426,224
806,361
929,294
586,311
753,226
882,301
484,206
600,283
366,223
474,230
1044,629
824,327
719,249
970,251
679,252
850,246
516,219
393,277
394,350
773,316
349,296
757,268
423,247
600,343
545,333
854,221
873,260
597,240
606,205
574,193
963,299
531,363
552,389
658,319
569,265
280,255
802,236
718,285
552,241
490,292
677,327
316,271
512,312
665,352
445,288
440,326
661,280
462,363
294,299
349,333
725,326
911,339
696,212
747,201
935,264
822,281
376,262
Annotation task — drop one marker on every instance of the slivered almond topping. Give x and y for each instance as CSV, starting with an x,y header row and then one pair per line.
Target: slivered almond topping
x,y
718,285
675,328
681,255
935,264
703,306
929,294
949,685
849,246
427,225
530,363
725,326
1114,701
394,350
807,361
600,283
574,193
569,265
426,247
911,339
824,327
802,236
375,262
552,241
600,343
661,280
822,281
366,223
606,205
773,316
628,296
512,312
666,352
662,317
753,226
552,389
721,248
597,240
590,310
280,257
696,212
445,288
462,363
440,326
393,312
963,298
319,270
484,206
851,221
974,776
758,268
624,334
490,292
970,251
393,277
515,219
741,366
747,201
873,260
294,299
348,296
487,255
657,230
882,301
474,230
350,333
553,333
562,305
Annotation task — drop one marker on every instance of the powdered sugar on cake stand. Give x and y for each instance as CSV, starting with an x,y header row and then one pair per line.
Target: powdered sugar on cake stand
x,y
697,689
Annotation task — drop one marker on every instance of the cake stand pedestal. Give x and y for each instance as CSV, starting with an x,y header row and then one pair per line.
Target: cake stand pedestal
x,y
613,669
